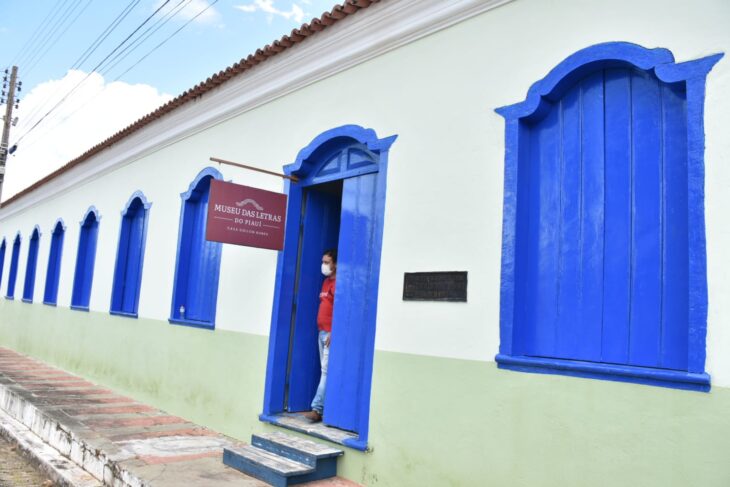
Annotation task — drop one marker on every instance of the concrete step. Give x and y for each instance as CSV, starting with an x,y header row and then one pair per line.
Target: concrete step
x,y
295,448
264,465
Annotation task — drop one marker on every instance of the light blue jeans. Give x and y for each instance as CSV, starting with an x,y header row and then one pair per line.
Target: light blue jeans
x,y
324,355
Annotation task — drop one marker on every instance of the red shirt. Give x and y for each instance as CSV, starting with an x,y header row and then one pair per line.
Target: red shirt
x,y
326,304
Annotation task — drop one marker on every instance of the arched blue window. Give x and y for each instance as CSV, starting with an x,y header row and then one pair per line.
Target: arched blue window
x,y
130,256
85,257
53,272
198,261
30,268
603,267
2,258
13,274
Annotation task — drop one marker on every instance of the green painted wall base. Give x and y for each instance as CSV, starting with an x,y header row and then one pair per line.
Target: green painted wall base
x,y
434,422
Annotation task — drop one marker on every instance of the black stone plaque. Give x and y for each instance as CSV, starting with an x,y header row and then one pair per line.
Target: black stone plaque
x,y
434,286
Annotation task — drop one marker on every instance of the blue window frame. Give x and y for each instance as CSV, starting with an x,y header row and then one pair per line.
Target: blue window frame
x,y
53,272
197,268
85,257
3,246
130,256
13,274
603,262
30,267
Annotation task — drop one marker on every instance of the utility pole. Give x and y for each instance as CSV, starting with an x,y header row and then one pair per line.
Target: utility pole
x,y
7,122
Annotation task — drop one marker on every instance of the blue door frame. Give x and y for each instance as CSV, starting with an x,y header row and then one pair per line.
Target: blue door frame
x,y
359,158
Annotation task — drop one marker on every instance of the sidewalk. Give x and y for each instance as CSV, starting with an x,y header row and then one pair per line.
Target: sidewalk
x,y
115,439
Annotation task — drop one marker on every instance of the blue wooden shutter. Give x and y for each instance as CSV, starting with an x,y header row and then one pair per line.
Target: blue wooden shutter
x,y
606,257
84,273
30,267
130,253
198,261
53,273
2,259
13,274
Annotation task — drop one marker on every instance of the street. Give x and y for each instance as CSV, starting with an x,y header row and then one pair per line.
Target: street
x,y
16,471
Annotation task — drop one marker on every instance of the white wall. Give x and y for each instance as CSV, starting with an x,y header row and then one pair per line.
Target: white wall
x,y
445,176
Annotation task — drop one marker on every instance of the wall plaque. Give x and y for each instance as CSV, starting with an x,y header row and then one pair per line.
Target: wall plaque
x,y
434,286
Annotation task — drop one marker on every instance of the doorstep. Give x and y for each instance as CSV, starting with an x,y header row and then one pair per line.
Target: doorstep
x,y
297,422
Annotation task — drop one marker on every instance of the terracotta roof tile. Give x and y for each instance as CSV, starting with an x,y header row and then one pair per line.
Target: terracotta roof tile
x,y
296,36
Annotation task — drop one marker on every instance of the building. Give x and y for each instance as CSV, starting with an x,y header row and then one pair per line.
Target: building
x,y
569,156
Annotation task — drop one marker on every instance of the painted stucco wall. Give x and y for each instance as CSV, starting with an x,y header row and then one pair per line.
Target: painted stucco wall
x,y
443,212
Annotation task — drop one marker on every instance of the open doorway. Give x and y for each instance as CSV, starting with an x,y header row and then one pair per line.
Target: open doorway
x,y
338,202
319,231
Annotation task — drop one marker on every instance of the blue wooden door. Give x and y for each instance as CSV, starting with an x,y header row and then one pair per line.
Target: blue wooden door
x,y
319,232
605,263
353,330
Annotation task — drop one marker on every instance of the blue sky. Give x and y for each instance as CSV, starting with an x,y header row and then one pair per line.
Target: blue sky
x,y
225,33
46,38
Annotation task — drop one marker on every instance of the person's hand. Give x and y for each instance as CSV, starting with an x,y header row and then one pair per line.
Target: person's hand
x,y
327,342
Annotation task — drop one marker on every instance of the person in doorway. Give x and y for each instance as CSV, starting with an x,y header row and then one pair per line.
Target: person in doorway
x,y
324,325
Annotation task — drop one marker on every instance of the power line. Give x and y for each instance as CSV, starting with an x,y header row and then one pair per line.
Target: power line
x,y
35,33
60,36
102,37
123,54
52,31
93,70
88,52
167,39
127,70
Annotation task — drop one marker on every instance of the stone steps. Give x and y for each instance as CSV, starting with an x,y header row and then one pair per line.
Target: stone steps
x,y
281,460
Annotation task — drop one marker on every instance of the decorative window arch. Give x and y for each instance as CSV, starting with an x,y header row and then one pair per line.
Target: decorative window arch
x,y
3,246
197,268
130,256
31,265
85,258
603,257
13,273
53,272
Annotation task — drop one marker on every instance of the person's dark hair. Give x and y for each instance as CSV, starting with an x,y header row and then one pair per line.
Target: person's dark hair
x,y
331,253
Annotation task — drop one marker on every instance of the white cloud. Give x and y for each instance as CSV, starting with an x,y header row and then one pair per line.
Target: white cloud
x,y
191,9
91,114
296,13
196,6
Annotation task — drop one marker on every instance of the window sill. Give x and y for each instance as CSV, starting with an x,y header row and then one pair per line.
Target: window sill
x,y
29,301
195,324
622,373
48,303
80,308
11,298
123,313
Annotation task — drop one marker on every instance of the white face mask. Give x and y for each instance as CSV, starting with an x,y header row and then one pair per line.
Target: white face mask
x,y
326,270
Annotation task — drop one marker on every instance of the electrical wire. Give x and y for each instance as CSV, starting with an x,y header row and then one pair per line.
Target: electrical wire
x,y
126,71
52,31
65,97
139,41
31,40
167,39
88,52
60,36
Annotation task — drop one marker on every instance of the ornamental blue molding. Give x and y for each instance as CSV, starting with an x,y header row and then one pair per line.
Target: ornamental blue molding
x,y
331,139
208,171
92,209
536,105
59,222
137,194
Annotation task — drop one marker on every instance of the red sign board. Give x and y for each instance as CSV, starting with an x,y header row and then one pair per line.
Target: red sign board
x,y
245,216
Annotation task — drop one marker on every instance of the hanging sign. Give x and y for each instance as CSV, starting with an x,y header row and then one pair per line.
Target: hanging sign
x,y
242,215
